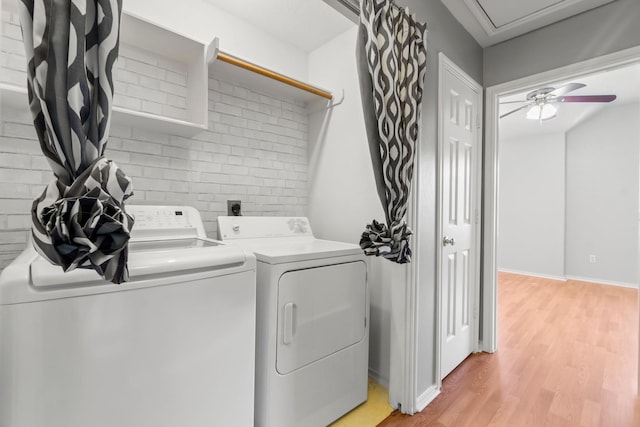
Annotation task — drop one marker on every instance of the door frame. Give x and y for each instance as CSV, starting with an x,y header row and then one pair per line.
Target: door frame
x,y
489,341
403,355
446,65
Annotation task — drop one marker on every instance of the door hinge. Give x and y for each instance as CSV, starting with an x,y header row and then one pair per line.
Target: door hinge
x,y
476,216
478,124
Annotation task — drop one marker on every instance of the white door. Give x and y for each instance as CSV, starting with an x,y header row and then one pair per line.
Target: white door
x,y
459,150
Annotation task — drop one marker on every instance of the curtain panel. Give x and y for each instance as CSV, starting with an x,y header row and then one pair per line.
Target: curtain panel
x,y
391,58
79,220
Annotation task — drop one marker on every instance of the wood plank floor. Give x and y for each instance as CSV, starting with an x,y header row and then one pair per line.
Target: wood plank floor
x,y
567,356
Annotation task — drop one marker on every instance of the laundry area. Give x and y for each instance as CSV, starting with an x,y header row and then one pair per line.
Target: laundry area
x,y
269,213
206,168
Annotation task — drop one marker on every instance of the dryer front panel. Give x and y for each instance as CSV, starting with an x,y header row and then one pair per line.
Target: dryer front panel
x,y
321,311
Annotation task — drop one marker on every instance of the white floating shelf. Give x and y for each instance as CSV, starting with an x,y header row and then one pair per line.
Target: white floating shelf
x,y
165,44
157,123
152,41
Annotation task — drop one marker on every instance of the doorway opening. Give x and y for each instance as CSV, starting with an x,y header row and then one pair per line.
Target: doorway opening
x,y
614,63
568,185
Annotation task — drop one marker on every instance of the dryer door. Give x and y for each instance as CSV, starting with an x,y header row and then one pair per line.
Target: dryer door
x,y
321,311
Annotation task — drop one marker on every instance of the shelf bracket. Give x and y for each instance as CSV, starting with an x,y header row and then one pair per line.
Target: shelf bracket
x,y
334,103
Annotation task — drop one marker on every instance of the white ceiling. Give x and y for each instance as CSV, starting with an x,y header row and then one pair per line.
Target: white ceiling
x,y
306,24
622,82
494,21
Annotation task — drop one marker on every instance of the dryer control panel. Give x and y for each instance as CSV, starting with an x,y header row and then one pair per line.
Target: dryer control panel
x,y
259,227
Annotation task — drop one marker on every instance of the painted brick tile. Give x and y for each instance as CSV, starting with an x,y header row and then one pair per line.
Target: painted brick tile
x,y
255,150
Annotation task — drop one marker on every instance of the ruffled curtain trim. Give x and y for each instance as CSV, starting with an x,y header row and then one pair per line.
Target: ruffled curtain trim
x,y
85,225
391,243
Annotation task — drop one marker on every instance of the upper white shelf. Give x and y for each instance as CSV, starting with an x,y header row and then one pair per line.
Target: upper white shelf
x,y
161,81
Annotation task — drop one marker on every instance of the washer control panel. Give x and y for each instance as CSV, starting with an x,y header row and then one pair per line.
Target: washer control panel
x,y
161,217
165,220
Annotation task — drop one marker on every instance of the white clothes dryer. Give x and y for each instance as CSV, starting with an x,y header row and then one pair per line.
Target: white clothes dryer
x,y
312,336
174,346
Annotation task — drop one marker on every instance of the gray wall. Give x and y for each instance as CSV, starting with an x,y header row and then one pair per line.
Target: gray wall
x,y
342,197
566,197
448,36
531,217
342,191
600,31
602,196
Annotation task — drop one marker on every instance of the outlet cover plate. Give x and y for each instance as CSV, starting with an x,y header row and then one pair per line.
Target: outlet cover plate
x,y
234,207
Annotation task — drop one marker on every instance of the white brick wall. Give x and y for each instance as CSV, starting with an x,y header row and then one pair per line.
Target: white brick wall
x,y
149,83
12,62
255,151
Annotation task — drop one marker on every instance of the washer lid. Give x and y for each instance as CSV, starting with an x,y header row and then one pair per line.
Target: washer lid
x,y
32,278
283,250
147,258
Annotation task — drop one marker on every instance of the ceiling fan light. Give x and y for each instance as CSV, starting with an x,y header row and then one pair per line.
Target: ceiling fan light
x,y
534,112
542,112
548,111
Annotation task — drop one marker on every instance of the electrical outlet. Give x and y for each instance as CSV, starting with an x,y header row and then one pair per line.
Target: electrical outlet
x,y
592,259
234,207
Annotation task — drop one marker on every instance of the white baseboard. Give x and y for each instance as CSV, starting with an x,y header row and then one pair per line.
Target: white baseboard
x,y
427,397
603,282
529,273
565,278
380,379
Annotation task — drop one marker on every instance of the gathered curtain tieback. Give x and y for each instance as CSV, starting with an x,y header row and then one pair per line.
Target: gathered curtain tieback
x,y
71,49
86,224
391,60
389,242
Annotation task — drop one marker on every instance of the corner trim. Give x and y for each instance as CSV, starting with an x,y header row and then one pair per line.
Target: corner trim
x,y
427,397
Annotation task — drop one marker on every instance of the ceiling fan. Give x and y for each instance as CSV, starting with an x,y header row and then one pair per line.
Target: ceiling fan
x,y
540,102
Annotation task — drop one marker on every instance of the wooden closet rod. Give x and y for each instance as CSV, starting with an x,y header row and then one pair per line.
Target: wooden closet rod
x,y
229,59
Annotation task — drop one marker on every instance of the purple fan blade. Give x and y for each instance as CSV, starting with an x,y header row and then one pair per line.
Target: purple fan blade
x,y
586,98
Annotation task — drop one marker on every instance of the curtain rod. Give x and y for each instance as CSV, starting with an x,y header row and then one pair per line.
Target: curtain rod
x,y
354,6
230,59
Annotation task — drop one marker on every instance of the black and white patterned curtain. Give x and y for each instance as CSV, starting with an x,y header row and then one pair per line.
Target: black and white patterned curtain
x,y
391,54
71,46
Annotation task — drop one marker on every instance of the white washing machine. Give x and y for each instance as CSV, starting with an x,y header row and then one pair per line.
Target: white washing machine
x,y
312,336
174,346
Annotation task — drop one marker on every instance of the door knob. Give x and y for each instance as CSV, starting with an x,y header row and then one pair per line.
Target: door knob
x,y
448,241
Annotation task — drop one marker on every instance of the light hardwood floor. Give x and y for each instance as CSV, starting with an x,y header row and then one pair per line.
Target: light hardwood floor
x,y
567,356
